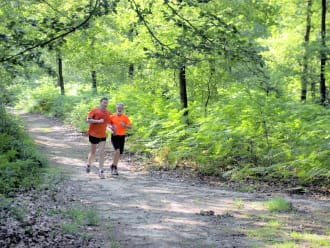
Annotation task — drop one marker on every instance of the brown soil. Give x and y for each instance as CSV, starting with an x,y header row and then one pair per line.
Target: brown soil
x,y
143,209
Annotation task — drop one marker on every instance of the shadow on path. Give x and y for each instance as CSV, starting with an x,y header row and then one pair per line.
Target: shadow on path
x,y
146,211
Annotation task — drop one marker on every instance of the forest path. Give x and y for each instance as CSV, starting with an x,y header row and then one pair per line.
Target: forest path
x,y
156,211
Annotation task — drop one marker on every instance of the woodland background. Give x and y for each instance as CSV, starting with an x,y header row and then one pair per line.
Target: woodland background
x,y
233,89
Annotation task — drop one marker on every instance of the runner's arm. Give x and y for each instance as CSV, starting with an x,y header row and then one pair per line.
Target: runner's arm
x,y
91,120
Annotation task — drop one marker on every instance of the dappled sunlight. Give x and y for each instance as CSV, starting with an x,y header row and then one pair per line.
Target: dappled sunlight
x,y
68,160
152,227
50,142
183,204
182,208
156,190
40,129
311,237
185,221
57,128
155,208
254,205
112,204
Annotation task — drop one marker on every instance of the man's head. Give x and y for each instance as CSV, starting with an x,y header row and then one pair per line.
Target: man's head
x,y
119,108
104,103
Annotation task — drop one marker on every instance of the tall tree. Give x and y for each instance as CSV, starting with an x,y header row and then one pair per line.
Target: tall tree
x,y
131,35
183,89
323,55
30,25
304,80
187,33
94,81
60,73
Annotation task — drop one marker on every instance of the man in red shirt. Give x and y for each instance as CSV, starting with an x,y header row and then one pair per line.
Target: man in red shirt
x,y
98,119
119,123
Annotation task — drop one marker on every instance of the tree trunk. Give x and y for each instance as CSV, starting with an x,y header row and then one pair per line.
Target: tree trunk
x,y
183,89
304,80
131,34
313,90
60,73
94,81
131,70
209,85
323,89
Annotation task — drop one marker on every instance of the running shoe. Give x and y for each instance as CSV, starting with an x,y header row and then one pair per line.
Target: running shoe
x,y
101,174
88,168
112,168
115,171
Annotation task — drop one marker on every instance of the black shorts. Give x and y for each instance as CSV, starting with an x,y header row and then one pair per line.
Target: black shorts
x,y
95,140
118,142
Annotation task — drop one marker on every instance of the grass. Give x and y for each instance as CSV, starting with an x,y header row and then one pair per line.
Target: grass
x,y
77,218
274,230
70,228
278,205
83,216
314,239
287,244
109,230
246,189
238,203
17,212
114,244
52,177
55,211
265,233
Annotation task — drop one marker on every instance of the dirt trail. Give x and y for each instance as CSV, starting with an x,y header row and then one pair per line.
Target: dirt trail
x,y
148,211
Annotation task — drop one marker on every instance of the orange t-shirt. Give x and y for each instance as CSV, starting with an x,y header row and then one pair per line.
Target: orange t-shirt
x,y
116,119
98,130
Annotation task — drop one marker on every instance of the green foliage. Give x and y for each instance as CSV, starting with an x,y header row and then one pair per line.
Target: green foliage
x,y
20,162
245,134
272,230
83,216
45,99
278,205
18,212
78,218
70,228
78,112
71,108
23,29
114,244
315,239
243,72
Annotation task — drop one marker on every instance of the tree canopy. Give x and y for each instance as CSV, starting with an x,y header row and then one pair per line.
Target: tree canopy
x,y
231,88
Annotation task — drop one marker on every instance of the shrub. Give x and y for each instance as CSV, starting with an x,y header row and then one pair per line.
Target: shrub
x,y
19,160
278,205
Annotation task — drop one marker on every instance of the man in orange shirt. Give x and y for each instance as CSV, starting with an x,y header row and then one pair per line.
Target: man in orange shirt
x,y
119,123
98,119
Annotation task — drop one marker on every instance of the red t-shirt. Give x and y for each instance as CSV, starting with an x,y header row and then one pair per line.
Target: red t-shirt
x,y
116,119
98,130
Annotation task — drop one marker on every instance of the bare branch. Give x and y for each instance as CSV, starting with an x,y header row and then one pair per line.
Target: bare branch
x,y
138,12
44,43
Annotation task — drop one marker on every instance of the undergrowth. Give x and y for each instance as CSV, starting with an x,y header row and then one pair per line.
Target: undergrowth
x,y
20,162
241,136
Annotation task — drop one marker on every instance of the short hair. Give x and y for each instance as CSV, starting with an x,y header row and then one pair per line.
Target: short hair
x,y
120,103
104,99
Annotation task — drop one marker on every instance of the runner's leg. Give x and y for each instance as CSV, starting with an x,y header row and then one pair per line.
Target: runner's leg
x,y
91,154
116,157
102,154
